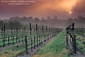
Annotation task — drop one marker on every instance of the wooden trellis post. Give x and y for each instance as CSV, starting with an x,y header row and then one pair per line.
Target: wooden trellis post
x,y
3,35
12,38
37,33
72,32
42,34
74,39
49,32
34,42
26,45
46,32
8,41
75,44
16,35
31,34
38,36
67,37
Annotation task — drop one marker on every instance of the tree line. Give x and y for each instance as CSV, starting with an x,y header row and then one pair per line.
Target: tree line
x,y
10,25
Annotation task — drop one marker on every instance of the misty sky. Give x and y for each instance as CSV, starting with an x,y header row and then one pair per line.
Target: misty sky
x,y
43,8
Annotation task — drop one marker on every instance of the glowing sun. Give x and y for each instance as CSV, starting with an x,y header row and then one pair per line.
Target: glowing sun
x,y
70,12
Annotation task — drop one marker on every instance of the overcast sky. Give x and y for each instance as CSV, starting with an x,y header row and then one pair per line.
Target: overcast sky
x,y
42,8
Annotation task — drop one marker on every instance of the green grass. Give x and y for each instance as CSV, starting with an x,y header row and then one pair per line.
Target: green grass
x,y
16,50
12,51
55,48
81,42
